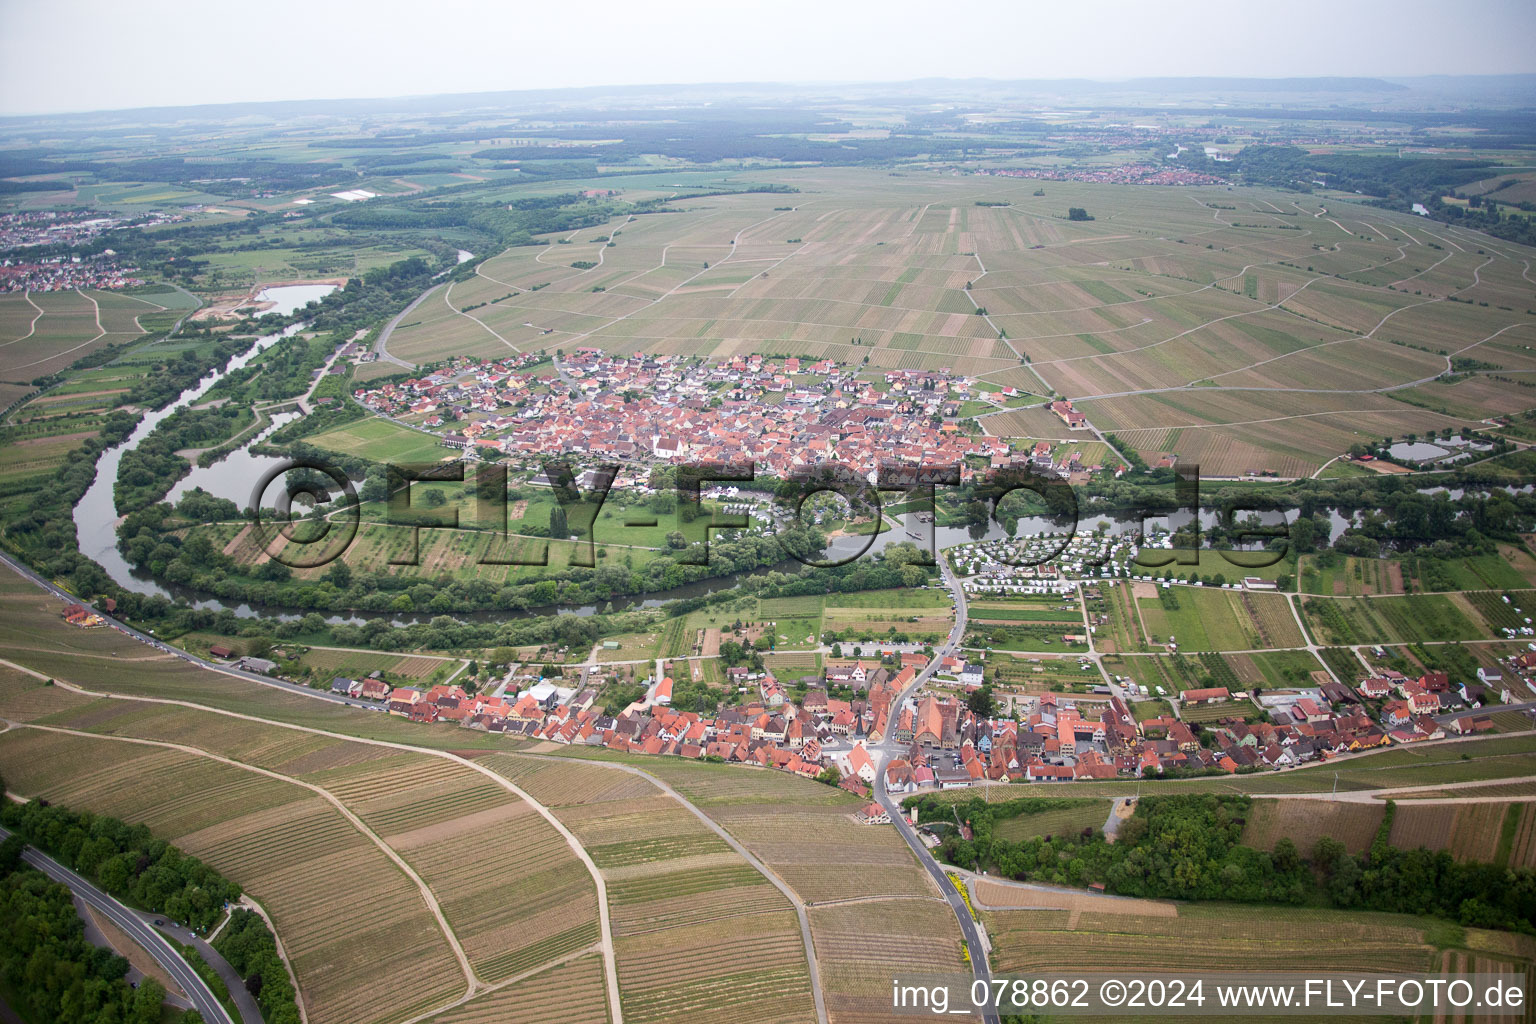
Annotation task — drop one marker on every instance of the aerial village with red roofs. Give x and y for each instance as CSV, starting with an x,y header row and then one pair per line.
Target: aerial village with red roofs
x,y
784,414
933,738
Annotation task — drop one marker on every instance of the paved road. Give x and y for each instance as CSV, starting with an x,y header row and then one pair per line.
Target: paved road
x,y
250,1011
888,748
144,934
389,328
1490,709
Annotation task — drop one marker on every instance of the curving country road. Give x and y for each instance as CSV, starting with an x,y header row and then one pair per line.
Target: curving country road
x,y
144,934
887,748
389,328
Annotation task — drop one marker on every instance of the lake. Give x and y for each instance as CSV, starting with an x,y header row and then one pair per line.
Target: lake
x,y
290,298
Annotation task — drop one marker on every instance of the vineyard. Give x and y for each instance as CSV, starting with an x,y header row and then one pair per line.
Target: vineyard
x,y
1059,821
357,664
528,900
1517,838
1123,631
639,830
1500,613
1470,831
805,832
24,698
1413,617
1267,939
673,885
1304,822
1241,710
560,783
822,852
1331,575
267,836
754,970
572,992
859,946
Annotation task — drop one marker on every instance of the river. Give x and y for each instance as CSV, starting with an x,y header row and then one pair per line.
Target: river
x,y
96,517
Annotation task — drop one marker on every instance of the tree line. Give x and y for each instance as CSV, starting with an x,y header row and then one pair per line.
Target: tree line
x,y
125,860
1189,848
49,968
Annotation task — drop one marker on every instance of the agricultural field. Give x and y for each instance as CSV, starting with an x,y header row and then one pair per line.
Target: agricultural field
x,y
798,624
920,614
1237,672
1026,623
462,553
792,663
673,884
1507,610
379,440
1517,840
266,835
860,945
1483,760
1489,832
572,991
1402,619
1510,569
1061,821
43,332
1261,939
1123,632
1281,669
325,662
1212,562
530,900
1201,619
1032,675
1338,576
1177,307
805,832
1304,822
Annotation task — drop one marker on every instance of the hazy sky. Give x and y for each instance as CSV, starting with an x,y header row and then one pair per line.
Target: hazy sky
x,y
58,55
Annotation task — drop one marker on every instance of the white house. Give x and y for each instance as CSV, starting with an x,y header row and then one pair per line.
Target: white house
x,y
856,762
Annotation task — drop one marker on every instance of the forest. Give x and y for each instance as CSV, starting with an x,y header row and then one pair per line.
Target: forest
x,y
125,861
49,967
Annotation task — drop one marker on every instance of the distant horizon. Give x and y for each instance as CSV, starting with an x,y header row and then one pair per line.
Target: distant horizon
x,y
554,92
86,56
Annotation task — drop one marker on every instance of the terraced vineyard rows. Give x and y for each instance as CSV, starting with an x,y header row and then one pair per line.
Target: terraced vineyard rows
x,y
513,890
572,993
1280,939
268,836
861,945
673,885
